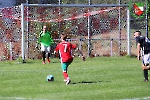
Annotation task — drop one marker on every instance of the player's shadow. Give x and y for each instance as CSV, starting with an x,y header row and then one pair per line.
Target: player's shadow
x,y
88,82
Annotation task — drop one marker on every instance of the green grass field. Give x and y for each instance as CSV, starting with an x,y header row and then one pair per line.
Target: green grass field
x,y
102,78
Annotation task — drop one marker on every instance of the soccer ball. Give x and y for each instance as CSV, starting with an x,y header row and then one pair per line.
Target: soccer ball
x,y
50,78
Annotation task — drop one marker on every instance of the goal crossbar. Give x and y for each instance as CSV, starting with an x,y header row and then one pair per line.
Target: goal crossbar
x,y
78,5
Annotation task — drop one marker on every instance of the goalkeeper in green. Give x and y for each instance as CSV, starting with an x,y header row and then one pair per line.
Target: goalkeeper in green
x,y
46,41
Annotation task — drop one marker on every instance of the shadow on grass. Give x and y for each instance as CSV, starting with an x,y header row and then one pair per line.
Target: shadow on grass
x,y
88,82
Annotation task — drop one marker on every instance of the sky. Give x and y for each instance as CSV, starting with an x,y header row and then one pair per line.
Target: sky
x,y
6,3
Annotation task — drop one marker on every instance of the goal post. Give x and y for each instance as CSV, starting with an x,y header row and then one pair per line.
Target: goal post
x,y
101,25
22,30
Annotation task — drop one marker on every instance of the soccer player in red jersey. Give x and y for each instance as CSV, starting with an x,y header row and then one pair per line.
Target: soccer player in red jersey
x,y
65,48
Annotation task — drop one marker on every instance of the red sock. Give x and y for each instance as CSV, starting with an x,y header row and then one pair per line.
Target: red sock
x,y
65,75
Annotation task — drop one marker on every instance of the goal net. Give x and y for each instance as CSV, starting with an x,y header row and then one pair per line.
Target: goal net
x,y
97,30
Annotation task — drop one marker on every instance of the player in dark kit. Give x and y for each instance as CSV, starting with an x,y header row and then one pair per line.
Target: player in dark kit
x,y
143,50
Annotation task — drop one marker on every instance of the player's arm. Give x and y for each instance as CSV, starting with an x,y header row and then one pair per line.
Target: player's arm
x,y
50,37
79,51
82,56
138,51
56,49
40,37
39,40
52,42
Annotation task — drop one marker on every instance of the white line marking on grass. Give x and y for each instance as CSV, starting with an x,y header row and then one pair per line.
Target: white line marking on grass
x,y
131,65
24,70
145,98
20,98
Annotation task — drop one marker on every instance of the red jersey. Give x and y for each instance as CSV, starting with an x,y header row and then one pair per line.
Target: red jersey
x,y
65,49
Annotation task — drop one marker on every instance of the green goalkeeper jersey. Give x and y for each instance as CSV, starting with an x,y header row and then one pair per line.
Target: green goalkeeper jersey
x,y
45,38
